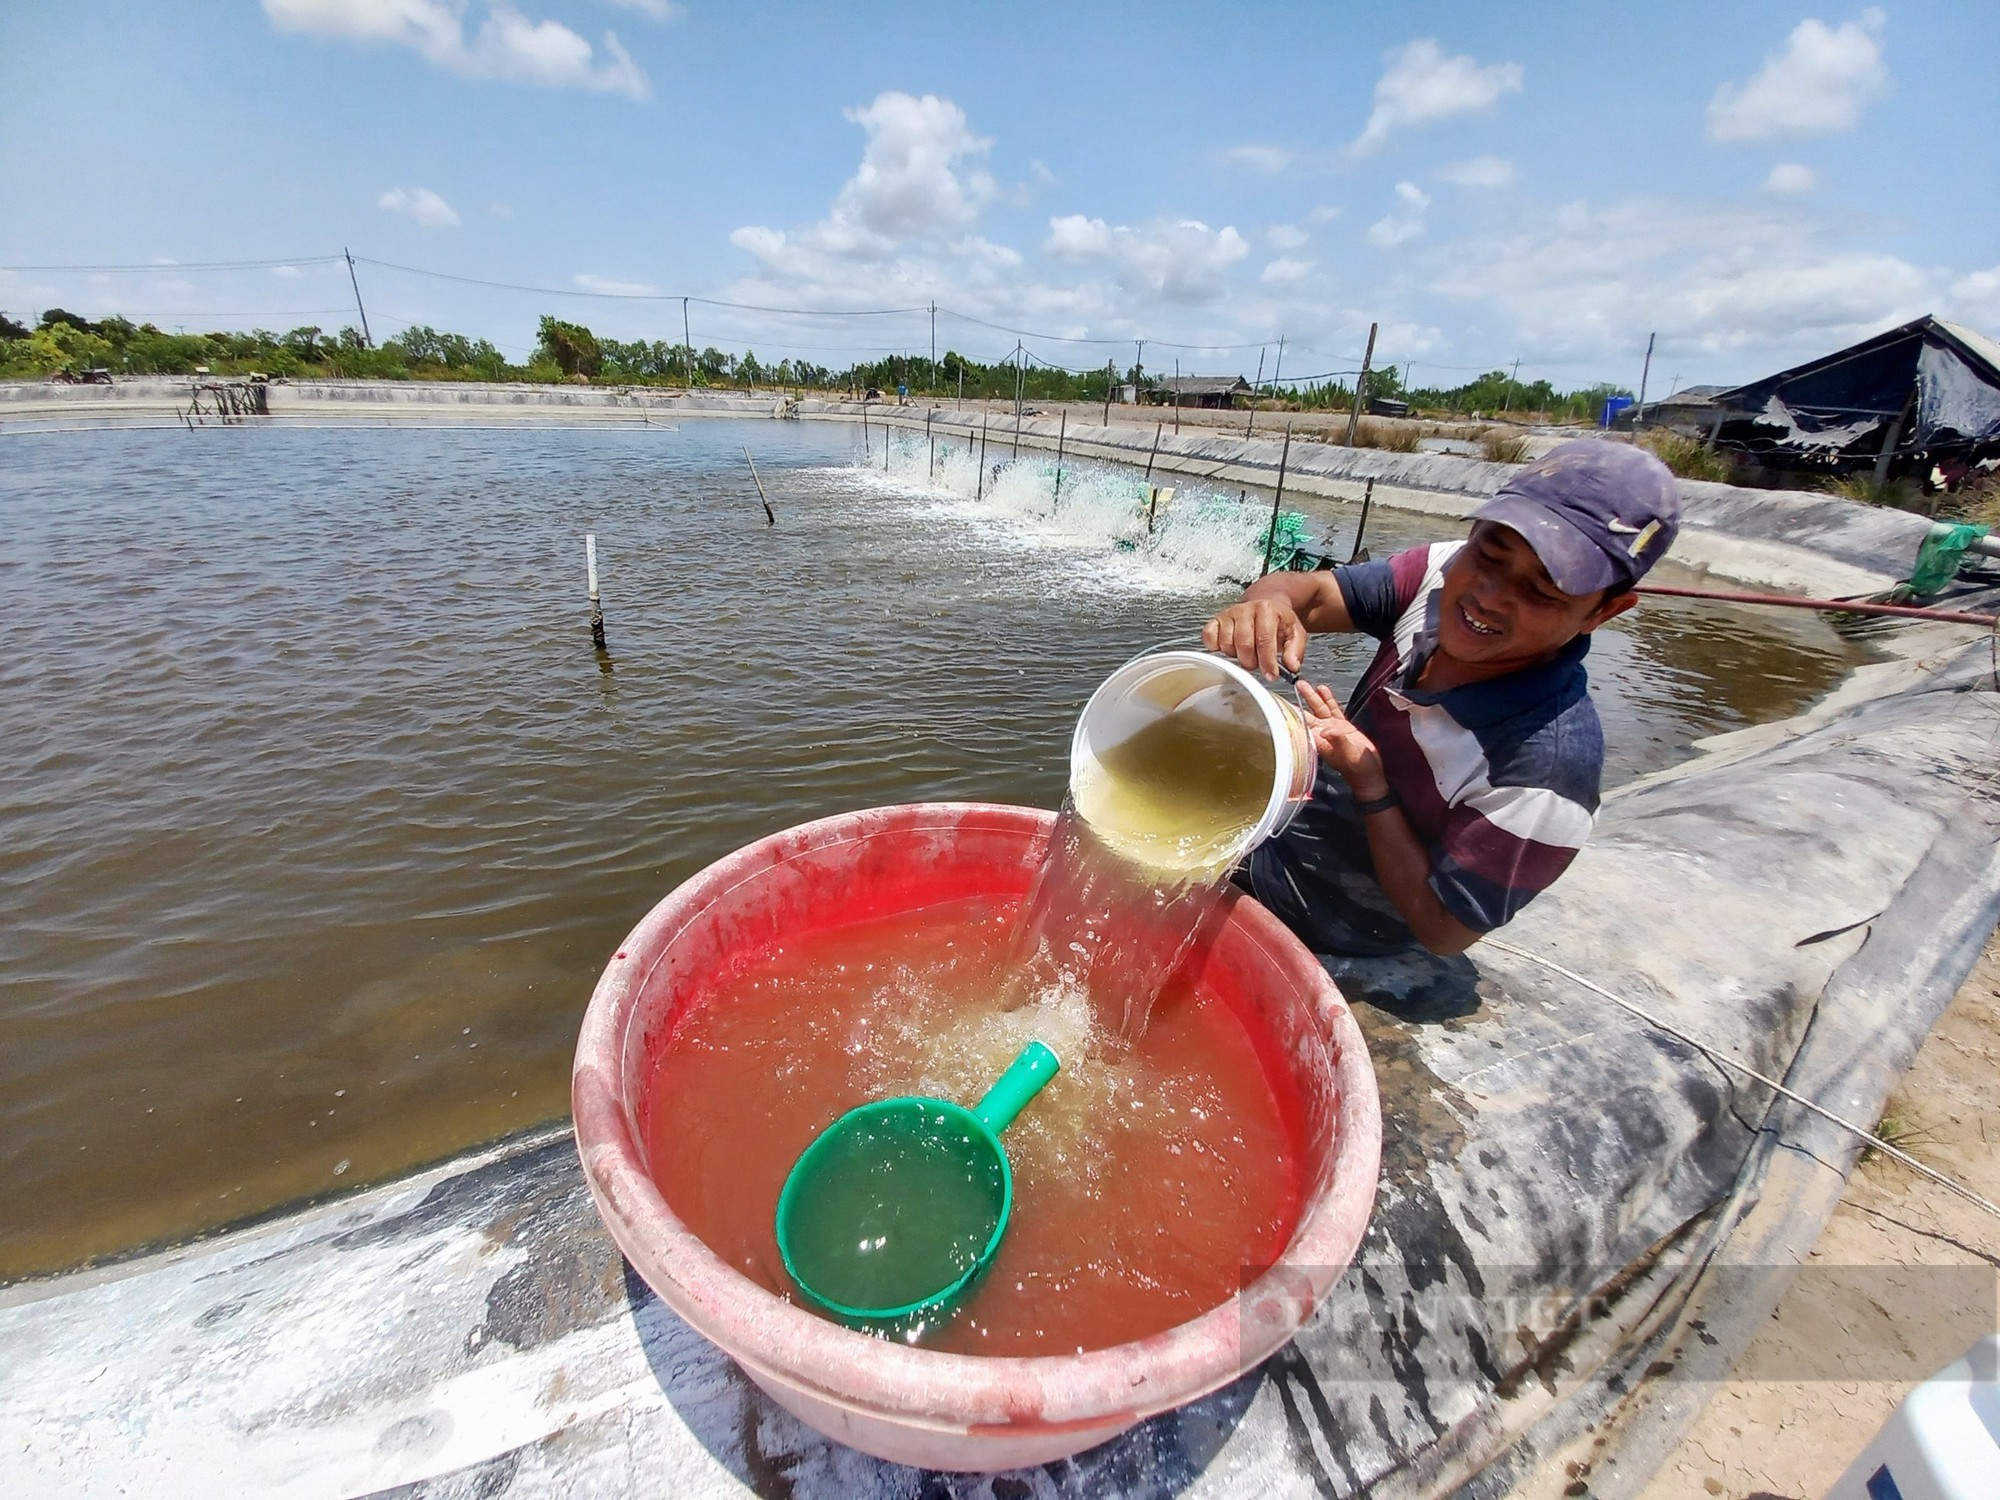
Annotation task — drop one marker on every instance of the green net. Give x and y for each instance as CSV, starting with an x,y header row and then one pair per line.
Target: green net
x,y
1938,558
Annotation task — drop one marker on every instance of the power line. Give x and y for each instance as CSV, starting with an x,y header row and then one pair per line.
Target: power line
x,y
197,265
553,291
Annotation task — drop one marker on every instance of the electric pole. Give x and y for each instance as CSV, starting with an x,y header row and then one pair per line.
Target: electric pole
x,y
367,342
1639,420
1361,383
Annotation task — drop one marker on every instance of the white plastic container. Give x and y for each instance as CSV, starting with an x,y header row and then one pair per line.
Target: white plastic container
x,y
1167,682
1943,1443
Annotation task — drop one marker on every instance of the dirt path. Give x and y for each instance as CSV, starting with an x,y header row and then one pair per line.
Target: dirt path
x,y
1903,1270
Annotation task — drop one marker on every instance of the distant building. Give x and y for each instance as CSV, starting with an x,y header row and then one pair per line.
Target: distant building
x,y
1217,392
1691,411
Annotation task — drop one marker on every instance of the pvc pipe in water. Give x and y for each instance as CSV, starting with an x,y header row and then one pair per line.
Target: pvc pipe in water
x,y
1836,606
596,609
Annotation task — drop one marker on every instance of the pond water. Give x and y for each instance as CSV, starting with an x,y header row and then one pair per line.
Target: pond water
x,y
319,815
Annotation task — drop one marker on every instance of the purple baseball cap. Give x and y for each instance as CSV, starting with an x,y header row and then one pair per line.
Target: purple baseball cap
x,y
1597,513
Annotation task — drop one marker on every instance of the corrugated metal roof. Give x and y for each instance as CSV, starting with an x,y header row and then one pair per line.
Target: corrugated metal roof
x,y
1205,385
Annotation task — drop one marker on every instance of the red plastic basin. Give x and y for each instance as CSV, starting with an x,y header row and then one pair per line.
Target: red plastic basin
x,y
917,1406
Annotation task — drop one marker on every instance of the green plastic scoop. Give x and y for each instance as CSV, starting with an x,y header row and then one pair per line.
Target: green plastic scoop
x,y
892,1212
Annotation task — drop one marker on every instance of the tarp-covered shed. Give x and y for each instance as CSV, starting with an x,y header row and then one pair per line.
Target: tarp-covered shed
x,y
1922,394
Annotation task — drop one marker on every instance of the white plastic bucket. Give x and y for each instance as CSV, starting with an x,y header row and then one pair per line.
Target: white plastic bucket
x,y
1942,1443
1150,687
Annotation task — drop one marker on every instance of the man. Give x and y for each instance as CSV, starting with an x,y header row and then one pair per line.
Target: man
x,y
1466,766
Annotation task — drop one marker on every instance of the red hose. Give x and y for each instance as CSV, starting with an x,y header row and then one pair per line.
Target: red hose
x,y
1842,606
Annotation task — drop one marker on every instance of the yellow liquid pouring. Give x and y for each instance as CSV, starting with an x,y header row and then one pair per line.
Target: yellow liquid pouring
x,y
1181,793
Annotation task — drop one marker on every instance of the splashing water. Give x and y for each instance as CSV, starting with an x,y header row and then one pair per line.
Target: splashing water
x,y
1186,539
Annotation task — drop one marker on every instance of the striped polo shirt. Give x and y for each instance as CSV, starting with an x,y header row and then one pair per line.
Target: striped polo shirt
x,y
1499,779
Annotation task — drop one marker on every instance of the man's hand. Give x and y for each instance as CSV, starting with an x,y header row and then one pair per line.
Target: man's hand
x,y
1343,747
1262,634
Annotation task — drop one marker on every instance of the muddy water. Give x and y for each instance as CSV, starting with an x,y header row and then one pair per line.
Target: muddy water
x,y
318,816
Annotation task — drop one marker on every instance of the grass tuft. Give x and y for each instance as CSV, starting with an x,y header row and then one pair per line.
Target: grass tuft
x,y
1900,1127
1503,448
1395,437
1688,458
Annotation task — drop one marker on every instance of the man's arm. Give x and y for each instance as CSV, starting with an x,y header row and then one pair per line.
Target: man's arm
x,y
1402,863
1267,628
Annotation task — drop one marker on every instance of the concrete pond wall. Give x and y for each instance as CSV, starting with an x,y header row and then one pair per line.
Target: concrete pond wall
x,y
1580,1217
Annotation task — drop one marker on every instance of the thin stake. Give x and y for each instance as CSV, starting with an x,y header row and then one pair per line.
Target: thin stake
x,y
770,516
1277,499
1109,366
596,608
1062,433
1157,430
1367,495
930,441
979,491
1251,425
1725,1060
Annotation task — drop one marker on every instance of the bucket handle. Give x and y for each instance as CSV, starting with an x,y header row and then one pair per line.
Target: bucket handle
x,y
1025,1077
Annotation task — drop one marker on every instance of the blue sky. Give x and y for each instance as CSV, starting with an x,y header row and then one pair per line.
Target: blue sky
x,y
1755,183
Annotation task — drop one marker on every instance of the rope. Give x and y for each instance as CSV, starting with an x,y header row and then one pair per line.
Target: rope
x,y
1747,1071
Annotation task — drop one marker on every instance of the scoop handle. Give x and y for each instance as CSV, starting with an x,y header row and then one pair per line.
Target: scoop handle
x,y
1026,1076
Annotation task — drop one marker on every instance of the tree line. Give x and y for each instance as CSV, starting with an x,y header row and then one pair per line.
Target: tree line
x,y
65,343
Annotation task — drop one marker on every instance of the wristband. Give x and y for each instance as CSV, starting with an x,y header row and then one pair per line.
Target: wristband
x,y
1380,804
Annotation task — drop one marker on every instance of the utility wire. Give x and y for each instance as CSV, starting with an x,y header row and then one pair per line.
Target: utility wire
x,y
194,265
1724,1059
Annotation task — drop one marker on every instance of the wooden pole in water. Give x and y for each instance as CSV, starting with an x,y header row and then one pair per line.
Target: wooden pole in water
x,y
930,441
979,490
1157,430
1277,499
1360,383
1109,366
596,608
770,517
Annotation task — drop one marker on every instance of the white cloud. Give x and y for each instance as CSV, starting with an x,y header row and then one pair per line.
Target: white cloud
x,y
1266,160
611,286
1399,227
1975,300
507,45
1287,271
1712,279
421,204
908,183
1324,214
1286,237
287,272
1817,84
500,210
1480,172
1171,260
652,10
917,182
1422,85
1789,179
